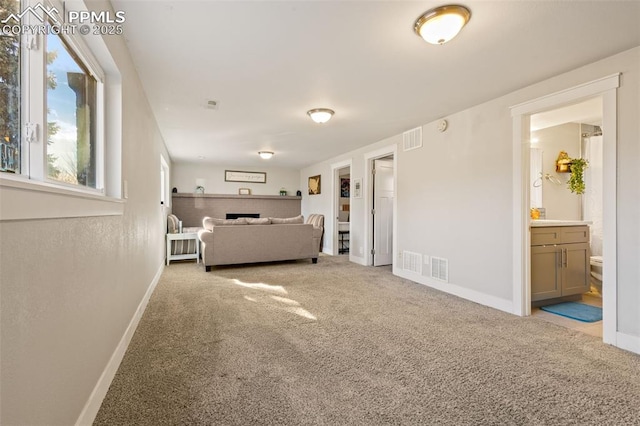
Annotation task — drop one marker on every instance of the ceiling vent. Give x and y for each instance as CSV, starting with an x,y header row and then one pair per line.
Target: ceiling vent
x,y
212,104
440,269
412,139
412,262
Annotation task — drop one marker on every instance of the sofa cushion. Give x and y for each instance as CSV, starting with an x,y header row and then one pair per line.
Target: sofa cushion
x,y
281,221
210,222
258,221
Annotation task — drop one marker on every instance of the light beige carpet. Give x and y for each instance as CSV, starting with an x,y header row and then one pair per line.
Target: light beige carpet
x,y
340,344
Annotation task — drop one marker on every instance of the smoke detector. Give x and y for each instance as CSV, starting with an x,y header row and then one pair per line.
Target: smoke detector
x,y
211,104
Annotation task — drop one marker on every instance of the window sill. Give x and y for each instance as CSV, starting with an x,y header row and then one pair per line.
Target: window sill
x,y
23,199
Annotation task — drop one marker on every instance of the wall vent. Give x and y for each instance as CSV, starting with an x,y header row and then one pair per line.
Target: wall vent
x,y
412,139
412,262
440,269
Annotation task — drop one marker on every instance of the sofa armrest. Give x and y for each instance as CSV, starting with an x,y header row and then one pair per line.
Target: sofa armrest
x,y
205,236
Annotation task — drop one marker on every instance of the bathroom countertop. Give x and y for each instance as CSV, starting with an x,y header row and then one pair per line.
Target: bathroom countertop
x,y
550,222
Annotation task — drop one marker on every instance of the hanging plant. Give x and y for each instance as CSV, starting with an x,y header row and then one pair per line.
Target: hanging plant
x,y
576,180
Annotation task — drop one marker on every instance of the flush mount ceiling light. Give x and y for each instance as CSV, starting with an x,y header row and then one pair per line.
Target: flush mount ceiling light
x,y
265,154
320,115
441,24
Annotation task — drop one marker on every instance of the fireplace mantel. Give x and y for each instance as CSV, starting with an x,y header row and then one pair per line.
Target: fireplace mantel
x,y
234,196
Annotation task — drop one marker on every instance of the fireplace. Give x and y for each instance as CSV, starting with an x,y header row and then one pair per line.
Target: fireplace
x,y
237,215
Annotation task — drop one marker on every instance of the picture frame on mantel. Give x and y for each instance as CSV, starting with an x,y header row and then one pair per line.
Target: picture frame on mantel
x,y
314,185
240,176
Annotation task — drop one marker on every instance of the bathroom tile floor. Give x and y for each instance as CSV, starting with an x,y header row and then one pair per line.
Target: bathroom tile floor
x,y
591,328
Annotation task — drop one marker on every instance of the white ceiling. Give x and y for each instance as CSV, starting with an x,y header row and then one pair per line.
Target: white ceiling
x,y
268,62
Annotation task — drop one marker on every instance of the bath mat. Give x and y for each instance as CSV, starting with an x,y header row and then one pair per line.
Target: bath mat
x,y
575,310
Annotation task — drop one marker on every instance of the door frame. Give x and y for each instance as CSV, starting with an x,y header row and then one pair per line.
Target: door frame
x,y
606,88
369,158
335,204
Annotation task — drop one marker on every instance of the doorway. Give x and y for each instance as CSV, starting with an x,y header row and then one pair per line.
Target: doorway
x,y
573,131
342,213
382,186
605,89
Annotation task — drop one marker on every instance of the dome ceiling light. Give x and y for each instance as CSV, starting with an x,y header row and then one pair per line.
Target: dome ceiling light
x,y
441,24
265,154
320,115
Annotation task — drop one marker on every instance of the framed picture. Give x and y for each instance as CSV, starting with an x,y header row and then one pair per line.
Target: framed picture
x,y
239,176
344,187
357,188
314,185
244,191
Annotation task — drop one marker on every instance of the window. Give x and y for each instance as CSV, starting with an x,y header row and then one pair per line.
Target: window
x,y
164,182
10,72
54,93
71,116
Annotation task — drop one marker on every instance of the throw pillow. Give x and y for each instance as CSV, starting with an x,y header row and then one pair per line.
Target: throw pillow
x,y
210,222
288,220
258,221
172,224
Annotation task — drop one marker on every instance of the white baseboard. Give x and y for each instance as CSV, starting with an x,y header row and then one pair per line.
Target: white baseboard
x,y
628,342
91,408
456,290
359,260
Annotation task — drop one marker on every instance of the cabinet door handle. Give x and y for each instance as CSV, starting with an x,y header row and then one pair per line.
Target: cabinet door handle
x,y
565,261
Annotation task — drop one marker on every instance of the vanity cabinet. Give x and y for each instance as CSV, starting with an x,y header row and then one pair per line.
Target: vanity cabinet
x,y
559,261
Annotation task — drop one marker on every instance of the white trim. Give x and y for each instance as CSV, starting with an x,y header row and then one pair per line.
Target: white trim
x,y
500,304
90,410
609,219
570,95
606,89
628,342
26,199
368,199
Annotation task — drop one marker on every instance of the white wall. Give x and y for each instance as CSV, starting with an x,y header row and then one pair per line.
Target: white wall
x,y
322,202
71,286
184,177
560,203
454,195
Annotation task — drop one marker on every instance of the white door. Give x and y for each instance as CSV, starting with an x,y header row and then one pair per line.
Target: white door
x,y
382,212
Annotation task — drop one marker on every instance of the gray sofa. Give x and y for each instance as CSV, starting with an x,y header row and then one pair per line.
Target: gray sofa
x,y
247,240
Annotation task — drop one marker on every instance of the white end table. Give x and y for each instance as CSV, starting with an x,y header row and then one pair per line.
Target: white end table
x,y
183,236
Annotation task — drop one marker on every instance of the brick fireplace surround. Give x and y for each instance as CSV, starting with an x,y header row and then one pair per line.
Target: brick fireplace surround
x,y
191,208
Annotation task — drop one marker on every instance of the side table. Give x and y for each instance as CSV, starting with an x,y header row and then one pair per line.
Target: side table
x,y
183,236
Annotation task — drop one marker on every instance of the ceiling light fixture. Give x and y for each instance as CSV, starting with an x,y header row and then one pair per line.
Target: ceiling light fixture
x,y
441,24
265,154
320,115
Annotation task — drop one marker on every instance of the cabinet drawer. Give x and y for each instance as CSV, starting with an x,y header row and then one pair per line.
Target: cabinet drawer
x,y
575,234
545,235
559,235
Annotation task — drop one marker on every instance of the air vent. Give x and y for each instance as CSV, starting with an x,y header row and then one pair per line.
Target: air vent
x,y
412,139
440,269
412,262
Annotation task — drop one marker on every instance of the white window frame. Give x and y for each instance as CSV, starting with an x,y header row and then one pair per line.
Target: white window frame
x,y
31,194
165,194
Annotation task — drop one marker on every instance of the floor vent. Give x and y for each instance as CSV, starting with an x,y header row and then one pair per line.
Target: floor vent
x,y
412,262
440,269
412,139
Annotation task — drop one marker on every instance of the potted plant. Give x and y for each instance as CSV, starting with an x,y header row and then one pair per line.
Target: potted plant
x,y
576,180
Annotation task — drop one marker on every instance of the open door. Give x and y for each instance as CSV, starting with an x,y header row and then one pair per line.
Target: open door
x,y
382,211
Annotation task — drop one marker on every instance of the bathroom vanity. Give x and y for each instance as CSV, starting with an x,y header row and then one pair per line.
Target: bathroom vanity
x,y
559,259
